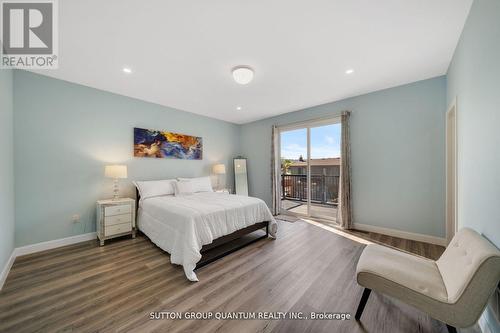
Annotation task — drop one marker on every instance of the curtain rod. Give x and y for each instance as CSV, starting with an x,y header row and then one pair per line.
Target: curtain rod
x,y
335,115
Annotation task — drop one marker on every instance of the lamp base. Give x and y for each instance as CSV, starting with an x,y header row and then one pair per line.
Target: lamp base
x,y
115,189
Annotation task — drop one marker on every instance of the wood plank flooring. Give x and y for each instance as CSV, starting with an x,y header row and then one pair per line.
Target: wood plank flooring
x,y
87,288
427,250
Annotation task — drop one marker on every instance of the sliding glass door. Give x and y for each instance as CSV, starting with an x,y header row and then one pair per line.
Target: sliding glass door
x,y
310,168
324,169
294,175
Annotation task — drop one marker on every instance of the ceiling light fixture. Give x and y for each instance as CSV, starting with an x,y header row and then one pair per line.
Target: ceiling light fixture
x,y
127,70
238,108
349,71
242,74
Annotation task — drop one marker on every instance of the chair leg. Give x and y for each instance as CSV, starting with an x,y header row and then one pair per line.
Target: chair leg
x,y
451,329
362,303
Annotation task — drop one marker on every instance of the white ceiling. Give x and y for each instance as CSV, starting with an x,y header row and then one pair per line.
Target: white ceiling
x,y
182,52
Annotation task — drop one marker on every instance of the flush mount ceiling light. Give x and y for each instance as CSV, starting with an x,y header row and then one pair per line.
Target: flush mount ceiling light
x,y
127,70
242,74
238,108
349,71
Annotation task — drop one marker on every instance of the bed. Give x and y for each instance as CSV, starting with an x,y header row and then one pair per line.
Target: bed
x,y
186,226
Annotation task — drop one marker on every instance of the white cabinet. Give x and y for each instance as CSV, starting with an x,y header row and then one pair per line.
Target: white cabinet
x,y
115,218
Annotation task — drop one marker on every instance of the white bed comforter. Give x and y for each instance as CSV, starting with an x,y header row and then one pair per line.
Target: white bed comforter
x,y
182,225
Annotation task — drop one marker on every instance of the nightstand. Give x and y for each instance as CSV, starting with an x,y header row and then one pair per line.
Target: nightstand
x,y
115,218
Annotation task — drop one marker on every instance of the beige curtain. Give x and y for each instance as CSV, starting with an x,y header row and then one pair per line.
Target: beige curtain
x,y
275,171
344,214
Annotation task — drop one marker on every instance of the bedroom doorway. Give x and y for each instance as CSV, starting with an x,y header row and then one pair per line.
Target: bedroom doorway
x,y
310,168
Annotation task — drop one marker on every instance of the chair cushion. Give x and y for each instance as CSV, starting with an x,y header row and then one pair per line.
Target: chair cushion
x,y
384,269
461,260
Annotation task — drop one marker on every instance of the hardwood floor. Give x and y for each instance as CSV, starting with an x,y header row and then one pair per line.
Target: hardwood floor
x,y
427,250
431,251
87,288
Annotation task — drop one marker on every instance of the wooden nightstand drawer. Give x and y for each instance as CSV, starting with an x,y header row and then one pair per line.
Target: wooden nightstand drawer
x,y
117,219
117,210
117,229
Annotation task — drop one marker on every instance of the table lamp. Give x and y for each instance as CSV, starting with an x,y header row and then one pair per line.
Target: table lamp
x,y
219,169
116,172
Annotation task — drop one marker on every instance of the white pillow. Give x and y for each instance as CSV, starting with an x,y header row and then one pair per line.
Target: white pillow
x,y
155,188
200,184
183,187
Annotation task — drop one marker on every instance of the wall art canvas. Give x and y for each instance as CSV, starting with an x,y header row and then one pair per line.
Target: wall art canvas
x,y
160,144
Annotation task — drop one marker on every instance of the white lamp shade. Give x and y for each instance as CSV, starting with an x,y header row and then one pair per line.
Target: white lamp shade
x,y
219,169
115,171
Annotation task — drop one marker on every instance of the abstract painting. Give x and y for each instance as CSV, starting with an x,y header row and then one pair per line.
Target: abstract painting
x,y
159,144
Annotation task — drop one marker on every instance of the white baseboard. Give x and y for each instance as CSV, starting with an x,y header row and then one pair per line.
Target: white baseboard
x,y
488,322
6,269
33,248
402,234
483,324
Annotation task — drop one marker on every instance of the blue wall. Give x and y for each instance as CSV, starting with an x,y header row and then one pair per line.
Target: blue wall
x,y
474,79
6,168
64,135
397,155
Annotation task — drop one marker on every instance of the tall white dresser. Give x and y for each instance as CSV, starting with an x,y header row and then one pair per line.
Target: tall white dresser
x,y
115,218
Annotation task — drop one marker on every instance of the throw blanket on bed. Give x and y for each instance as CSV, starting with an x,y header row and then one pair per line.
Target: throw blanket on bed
x,y
181,225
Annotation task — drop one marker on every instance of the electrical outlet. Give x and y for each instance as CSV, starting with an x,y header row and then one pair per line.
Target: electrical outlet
x,y
75,218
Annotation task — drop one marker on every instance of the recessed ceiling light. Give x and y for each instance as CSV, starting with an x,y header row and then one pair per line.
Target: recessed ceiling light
x,y
127,70
349,71
242,74
238,108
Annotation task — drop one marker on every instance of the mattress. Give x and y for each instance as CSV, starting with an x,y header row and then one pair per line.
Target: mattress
x,y
181,225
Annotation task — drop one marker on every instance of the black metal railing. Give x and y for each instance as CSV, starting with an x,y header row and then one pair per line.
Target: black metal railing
x,y
324,189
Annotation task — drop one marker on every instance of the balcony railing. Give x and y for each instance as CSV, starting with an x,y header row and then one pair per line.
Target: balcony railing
x,y
324,189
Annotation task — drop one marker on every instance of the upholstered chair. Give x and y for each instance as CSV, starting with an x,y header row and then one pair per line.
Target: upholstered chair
x,y
454,289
